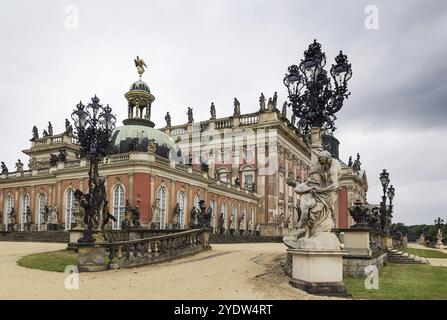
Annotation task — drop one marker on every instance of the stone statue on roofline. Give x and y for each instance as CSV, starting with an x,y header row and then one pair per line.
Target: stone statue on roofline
x,y
236,108
213,111
19,166
50,129
262,102
275,99
168,119
35,134
284,110
190,115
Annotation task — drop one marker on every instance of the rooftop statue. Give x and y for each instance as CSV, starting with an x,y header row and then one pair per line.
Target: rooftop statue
x,y
50,129
284,110
275,99
19,166
262,102
140,64
190,116
35,134
168,119
4,168
68,128
237,107
213,111
350,161
357,164
270,105
45,133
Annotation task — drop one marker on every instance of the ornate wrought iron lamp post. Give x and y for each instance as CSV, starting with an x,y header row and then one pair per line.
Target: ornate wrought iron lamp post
x,y
94,125
312,97
385,181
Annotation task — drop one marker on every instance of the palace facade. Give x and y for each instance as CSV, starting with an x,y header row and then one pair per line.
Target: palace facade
x,y
238,165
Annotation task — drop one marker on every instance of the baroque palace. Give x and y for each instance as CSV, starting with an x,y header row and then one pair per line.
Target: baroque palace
x,y
238,165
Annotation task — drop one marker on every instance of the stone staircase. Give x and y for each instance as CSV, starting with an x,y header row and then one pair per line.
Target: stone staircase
x,y
59,236
401,257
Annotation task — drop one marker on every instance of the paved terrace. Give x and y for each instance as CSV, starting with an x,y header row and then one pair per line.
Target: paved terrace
x,y
229,271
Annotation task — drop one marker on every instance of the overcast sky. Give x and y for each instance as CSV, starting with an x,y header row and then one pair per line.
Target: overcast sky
x,y
215,50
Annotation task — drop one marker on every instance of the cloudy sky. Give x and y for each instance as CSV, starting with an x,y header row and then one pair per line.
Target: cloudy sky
x,y
55,53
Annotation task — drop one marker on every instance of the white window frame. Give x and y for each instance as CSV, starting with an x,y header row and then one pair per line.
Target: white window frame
x,y
69,199
252,218
162,194
9,204
24,203
41,203
181,200
119,206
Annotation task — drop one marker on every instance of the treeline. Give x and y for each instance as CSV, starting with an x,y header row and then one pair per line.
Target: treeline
x,y
430,231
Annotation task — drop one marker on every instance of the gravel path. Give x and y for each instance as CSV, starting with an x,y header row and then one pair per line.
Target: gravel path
x,y
229,271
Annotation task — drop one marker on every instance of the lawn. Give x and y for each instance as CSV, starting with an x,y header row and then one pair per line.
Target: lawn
x,y
410,282
50,261
426,253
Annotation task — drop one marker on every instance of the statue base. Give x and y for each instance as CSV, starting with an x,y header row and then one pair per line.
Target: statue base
x,y
439,245
318,272
91,258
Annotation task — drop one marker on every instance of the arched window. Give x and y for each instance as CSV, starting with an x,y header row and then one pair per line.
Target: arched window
x,y
41,203
197,199
163,196
213,213
24,205
9,204
69,197
252,218
118,206
181,200
223,214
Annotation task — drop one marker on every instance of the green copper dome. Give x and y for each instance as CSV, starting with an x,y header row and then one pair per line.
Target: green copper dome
x,y
140,85
137,138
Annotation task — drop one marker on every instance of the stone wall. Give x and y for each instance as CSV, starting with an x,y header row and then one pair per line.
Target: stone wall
x,y
354,266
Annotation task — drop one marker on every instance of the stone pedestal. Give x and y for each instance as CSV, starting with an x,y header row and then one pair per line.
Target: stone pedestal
x,y
91,258
318,272
75,235
387,242
357,242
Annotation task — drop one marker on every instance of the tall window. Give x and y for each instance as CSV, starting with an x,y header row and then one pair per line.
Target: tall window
x,y
42,201
197,199
213,213
8,207
233,217
223,214
24,206
163,195
252,218
69,197
243,223
118,206
181,200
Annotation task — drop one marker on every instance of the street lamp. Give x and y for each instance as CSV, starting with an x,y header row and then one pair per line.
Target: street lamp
x,y
439,223
311,94
94,125
386,211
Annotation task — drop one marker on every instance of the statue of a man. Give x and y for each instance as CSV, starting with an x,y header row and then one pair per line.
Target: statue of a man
x,y
28,218
19,166
213,111
68,128
176,217
168,119
237,107
12,216
78,210
275,99
317,201
35,134
190,115
50,129
270,105
155,222
262,102
284,110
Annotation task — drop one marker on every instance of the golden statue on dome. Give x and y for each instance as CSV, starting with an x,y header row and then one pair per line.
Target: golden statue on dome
x,y
140,64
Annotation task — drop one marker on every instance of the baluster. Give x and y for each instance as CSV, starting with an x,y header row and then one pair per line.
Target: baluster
x,y
119,254
138,249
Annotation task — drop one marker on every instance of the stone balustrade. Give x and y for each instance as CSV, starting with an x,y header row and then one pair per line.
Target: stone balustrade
x,y
133,253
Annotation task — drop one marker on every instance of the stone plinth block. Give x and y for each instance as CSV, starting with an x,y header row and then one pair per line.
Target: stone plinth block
x,y
387,242
318,271
91,258
75,235
356,241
